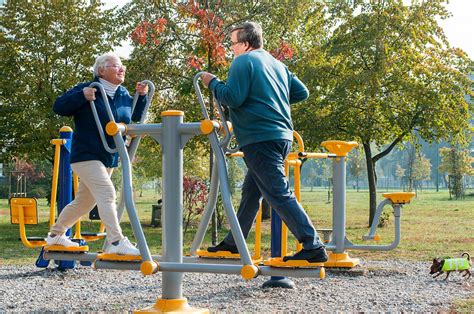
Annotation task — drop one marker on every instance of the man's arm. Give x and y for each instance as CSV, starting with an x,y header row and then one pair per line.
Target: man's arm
x,y
235,91
298,91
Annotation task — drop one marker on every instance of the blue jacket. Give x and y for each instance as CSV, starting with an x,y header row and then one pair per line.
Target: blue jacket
x,y
258,92
86,142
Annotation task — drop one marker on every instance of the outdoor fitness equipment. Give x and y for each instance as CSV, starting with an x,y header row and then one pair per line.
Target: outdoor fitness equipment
x,y
24,210
172,134
338,257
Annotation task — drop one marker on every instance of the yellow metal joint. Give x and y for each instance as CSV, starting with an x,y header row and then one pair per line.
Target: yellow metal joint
x,y
207,126
249,271
149,267
113,128
172,113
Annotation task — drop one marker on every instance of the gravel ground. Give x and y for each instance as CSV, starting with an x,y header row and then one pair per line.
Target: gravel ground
x,y
374,286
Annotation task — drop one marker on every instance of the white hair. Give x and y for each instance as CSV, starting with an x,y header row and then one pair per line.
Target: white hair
x,y
102,60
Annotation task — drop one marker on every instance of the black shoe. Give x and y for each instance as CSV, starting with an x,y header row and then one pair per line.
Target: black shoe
x,y
313,256
223,247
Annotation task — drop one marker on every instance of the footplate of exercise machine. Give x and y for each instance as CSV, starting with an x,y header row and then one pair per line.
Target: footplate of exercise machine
x,y
118,258
278,262
93,236
224,255
68,249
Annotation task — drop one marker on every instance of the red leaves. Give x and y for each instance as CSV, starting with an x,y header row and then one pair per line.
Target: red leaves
x,y
195,62
194,195
28,169
283,52
196,20
211,29
149,31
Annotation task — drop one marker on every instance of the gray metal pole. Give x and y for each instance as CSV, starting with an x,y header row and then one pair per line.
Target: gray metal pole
x,y
375,221
339,204
206,217
127,192
172,213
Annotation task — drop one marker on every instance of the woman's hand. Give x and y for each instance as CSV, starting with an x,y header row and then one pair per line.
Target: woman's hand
x,y
89,93
142,88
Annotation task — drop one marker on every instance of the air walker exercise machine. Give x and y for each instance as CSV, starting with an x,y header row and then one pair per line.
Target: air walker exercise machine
x,y
338,257
24,210
172,134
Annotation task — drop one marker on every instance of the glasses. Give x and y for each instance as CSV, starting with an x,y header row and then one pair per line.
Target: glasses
x,y
233,43
117,66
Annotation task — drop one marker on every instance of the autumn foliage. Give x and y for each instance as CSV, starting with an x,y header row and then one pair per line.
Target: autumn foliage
x,y
194,198
149,31
199,20
210,28
24,168
195,62
283,52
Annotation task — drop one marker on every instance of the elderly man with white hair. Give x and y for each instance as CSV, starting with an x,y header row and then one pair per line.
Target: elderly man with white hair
x,y
89,159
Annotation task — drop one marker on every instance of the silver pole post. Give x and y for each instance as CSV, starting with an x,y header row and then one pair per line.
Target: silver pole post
x,y
172,214
339,203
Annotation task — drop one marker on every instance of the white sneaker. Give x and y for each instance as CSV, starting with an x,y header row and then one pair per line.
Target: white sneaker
x,y
124,247
60,240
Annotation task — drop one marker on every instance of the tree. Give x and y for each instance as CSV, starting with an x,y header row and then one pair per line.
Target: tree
x,y
147,164
194,199
47,47
387,71
456,163
421,170
356,165
400,174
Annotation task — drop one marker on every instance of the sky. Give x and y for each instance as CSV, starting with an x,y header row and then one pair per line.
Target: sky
x,y
459,28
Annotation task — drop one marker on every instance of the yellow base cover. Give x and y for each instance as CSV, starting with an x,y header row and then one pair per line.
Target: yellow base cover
x,y
119,258
278,262
69,249
341,260
171,306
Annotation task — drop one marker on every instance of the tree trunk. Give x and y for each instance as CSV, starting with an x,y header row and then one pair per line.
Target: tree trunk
x,y
372,179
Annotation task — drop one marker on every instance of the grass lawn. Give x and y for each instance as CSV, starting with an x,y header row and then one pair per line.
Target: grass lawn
x,y
432,225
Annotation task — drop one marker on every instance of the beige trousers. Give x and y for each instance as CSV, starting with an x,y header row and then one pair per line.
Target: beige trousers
x,y
95,186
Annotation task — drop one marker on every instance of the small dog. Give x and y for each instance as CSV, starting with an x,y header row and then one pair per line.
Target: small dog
x,y
448,265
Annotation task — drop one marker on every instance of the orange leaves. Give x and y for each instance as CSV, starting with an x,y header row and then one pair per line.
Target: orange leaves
x,y
149,31
283,52
211,29
195,62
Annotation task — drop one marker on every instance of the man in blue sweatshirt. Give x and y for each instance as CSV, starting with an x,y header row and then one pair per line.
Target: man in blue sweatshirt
x,y
258,93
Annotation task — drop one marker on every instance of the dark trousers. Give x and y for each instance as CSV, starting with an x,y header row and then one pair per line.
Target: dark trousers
x,y
266,177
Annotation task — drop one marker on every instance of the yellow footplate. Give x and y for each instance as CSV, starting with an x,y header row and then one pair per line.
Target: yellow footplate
x,y
69,249
119,258
218,254
224,254
278,262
